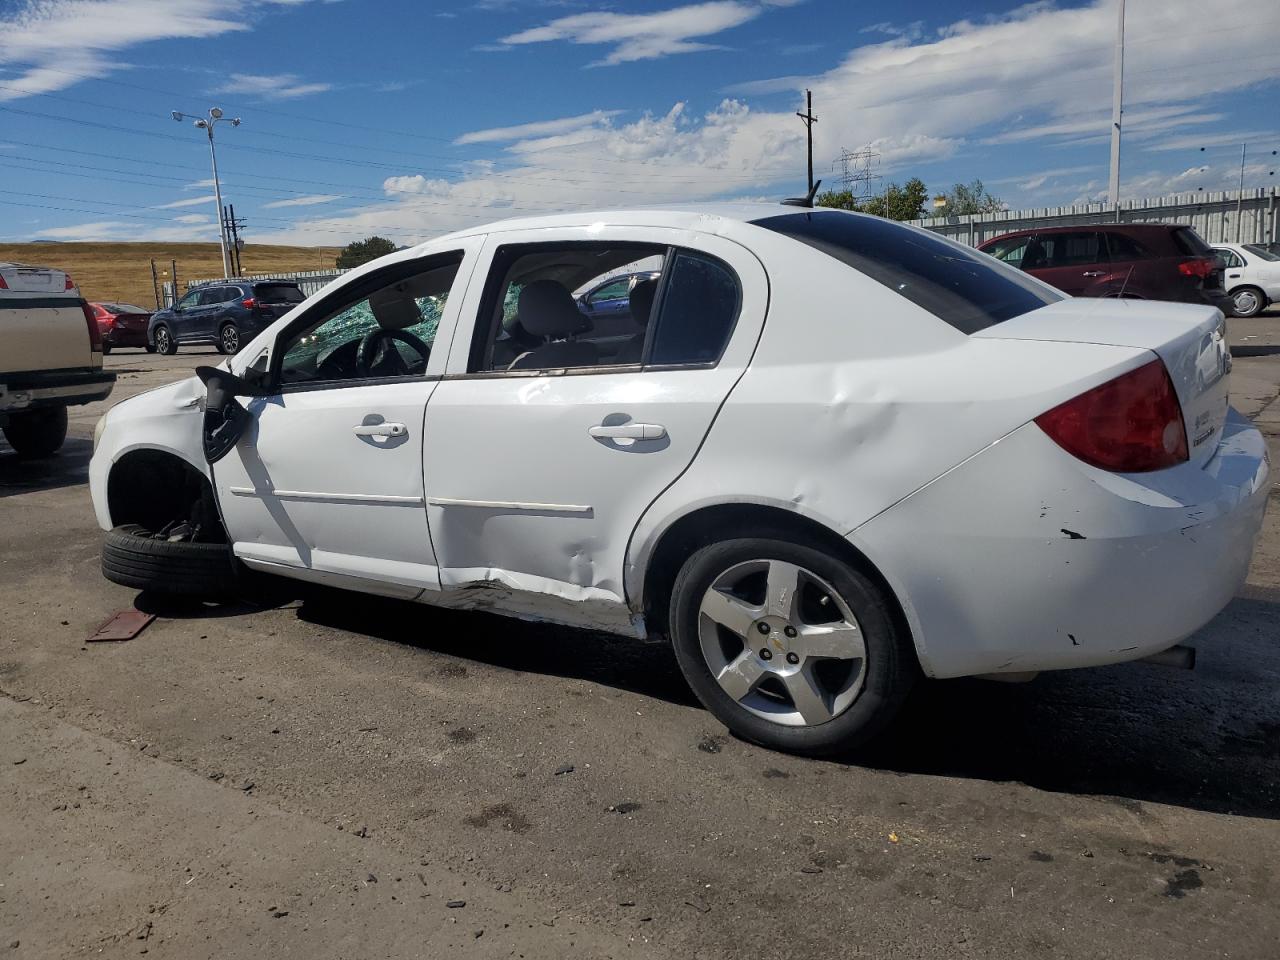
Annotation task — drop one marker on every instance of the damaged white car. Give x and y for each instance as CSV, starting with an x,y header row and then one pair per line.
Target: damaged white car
x,y
823,453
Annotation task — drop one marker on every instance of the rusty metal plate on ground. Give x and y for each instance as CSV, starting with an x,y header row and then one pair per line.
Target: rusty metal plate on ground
x,y
124,625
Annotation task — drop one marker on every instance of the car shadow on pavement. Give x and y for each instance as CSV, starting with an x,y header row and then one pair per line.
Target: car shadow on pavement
x,y
69,467
521,646
1208,739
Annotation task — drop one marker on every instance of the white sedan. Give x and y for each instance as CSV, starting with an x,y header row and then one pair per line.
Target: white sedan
x,y
1251,276
825,454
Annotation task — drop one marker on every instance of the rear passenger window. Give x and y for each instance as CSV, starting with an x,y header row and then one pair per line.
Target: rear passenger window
x,y
212,295
698,310
1124,248
668,306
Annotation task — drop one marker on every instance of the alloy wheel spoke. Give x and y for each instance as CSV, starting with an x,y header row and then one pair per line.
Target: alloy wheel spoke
x,y
741,676
728,611
809,700
782,591
840,641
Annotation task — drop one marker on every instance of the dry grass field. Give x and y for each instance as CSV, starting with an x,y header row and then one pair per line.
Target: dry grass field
x,y
122,271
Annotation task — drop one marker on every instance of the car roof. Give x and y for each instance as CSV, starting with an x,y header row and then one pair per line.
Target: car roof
x,y
1104,227
702,217
239,280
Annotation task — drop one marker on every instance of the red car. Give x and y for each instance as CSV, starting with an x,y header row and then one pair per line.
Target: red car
x,y
1145,261
122,325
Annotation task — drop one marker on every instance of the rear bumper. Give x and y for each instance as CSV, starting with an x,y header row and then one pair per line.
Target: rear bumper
x,y
20,391
1023,558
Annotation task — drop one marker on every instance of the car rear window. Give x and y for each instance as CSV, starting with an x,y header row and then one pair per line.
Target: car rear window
x,y
278,293
1190,244
960,286
125,308
1262,252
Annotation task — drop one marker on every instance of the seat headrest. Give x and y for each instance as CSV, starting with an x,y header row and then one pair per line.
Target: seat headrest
x,y
394,308
642,300
546,309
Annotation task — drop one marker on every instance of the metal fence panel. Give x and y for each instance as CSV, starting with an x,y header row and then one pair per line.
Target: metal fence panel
x,y
1213,215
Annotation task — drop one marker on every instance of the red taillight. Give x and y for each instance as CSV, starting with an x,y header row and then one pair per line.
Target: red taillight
x,y
3,285
70,285
1131,424
95,333
1200,267
248,303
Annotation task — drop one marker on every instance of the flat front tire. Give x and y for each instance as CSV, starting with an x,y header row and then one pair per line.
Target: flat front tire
x,y
37,433
788,646
132,557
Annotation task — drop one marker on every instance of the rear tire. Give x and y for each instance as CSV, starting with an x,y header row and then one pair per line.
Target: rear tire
x,y
106,348
164,341
132,559
820,673
37,433
1247,301
229,339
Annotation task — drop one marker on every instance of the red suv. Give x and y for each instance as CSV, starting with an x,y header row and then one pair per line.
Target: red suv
x,y
1148,261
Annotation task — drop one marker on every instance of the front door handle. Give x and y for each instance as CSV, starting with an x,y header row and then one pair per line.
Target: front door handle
x,y
628,431
380,430
1095,273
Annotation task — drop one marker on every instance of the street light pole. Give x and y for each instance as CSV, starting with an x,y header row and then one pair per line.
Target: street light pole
x,y
207,125
1244,149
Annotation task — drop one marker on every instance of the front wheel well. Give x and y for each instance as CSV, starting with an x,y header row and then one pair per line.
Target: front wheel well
x,y
155,489
733,521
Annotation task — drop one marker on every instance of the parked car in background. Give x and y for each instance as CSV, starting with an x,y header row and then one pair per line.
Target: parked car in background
x,y
613,314
227,314
122,325
1252,276
1138,261
50,357
847,453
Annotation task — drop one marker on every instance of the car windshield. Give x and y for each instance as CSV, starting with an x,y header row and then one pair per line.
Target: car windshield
x,y
278,293
1261,252
967,289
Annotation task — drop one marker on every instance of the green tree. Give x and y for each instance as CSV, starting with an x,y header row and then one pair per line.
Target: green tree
x,y
904,202
966,198
362,251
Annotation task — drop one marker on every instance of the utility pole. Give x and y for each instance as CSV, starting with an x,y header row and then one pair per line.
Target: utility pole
x,y
1117,111
1244,148
809,120
232,226
215,114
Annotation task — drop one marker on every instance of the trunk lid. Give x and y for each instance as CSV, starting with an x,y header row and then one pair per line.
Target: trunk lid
x,y
20,278
1190,339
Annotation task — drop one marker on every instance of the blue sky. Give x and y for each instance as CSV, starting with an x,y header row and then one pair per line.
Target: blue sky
x,y
412,118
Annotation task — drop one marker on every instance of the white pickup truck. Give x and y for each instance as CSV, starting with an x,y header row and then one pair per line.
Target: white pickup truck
x,y
50,357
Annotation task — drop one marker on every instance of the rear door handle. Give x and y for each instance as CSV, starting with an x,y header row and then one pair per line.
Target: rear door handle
x,y
380,430
1095,273
628,431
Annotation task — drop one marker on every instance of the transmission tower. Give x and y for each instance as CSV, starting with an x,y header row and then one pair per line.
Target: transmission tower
x,y
857,172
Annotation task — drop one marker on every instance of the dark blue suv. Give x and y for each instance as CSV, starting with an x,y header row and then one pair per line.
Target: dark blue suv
x,y
227,314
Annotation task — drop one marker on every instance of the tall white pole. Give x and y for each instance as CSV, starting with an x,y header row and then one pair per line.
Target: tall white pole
x,y
217,195
1244,147
1117,110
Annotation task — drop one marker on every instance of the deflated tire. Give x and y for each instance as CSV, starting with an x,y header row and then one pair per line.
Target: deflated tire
x,y
132,558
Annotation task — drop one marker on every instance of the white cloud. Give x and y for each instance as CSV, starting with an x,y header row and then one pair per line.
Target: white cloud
x,y
189,202
645,36
192,218
55,43
308,201
279,86
540,128
1040,68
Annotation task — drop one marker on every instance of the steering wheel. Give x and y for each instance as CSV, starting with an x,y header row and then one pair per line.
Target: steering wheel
x,y
366,356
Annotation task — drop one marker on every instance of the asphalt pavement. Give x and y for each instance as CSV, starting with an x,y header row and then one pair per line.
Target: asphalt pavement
x,y
333,775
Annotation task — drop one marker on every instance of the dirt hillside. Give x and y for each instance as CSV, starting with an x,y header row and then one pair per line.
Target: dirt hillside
x,y
122,271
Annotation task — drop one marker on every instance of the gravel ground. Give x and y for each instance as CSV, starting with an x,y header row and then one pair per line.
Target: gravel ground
x,y
324,775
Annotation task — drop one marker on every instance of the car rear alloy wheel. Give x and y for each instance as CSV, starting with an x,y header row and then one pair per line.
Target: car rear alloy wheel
x,y
789,646
1247,302
229,339
164,342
